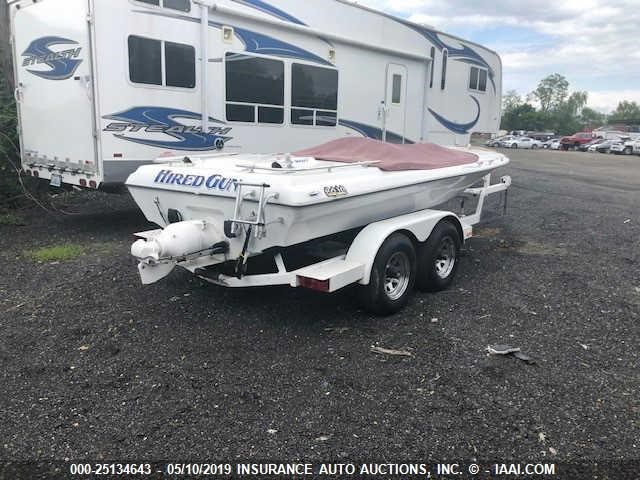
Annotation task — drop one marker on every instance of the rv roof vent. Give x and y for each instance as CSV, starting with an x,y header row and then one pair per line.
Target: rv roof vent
x,y
227,34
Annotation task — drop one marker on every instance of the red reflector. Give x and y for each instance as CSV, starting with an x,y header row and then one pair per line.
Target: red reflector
x,y
36,173
83,182
93,184
313,284
117,155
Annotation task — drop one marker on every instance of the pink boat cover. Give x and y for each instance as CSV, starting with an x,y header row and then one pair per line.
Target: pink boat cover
x,y
392,157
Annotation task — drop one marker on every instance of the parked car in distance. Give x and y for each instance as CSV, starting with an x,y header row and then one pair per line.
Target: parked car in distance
x,y
626,147
585,146
542,136
602,146
552,144
522,142
575,140
496,142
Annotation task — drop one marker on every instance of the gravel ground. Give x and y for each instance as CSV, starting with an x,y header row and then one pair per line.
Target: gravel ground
x,y
95,366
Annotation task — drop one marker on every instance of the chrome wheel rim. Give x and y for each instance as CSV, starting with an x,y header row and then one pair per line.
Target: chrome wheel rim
x,y
396,275
446,258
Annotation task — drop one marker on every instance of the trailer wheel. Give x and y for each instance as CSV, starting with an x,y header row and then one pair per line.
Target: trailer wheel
x,y
392,277
438,258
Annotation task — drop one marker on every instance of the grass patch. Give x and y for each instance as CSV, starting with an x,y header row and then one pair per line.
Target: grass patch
x,y
60,253
69,251
11,219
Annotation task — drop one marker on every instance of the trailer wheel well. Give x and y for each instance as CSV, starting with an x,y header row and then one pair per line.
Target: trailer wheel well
x,y
450,219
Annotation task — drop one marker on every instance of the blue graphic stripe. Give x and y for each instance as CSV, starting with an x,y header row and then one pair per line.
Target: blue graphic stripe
x,y
373,132
460,128
255,42
465,54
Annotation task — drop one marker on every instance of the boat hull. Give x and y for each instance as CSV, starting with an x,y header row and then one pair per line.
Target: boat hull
x,y
292,225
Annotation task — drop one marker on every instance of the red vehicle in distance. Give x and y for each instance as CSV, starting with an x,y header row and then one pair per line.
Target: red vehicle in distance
x,y
575,140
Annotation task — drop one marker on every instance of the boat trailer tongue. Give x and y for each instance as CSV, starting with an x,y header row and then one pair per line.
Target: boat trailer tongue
x,y
160,251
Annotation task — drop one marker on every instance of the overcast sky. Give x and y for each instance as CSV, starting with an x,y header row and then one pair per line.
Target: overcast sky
x,y
594,43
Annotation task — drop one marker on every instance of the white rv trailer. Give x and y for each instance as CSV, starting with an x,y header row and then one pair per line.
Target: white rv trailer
x,y
104,86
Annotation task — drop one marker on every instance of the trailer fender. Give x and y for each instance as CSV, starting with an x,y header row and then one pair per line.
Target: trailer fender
x,y
365,247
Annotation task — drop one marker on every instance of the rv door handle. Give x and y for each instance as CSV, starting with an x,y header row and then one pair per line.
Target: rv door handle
x,y
88,87
17,94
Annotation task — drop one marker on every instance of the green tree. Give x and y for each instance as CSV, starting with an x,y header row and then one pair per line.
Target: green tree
x,y
626,112
551,92
591,118
576,102
522,117
511,100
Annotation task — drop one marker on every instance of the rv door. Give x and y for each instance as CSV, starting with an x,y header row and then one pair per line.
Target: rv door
x,y
52,50
394,114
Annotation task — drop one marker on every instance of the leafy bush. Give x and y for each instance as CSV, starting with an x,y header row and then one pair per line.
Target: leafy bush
x,y
9,143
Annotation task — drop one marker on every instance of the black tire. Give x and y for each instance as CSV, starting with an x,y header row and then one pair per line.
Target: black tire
x,y
534,147
628,150
375,297
433,276
514,145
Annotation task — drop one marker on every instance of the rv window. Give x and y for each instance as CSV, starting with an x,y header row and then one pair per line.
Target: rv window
x,y
180,65
482,85
182,5
145,60
326,119
478,79
145,63
301,117
257,82
445,57
270,115
433,65
396,94
315,89
473,80
241,113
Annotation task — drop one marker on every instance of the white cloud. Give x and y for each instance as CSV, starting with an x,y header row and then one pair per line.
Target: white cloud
x,y
592,42
607,100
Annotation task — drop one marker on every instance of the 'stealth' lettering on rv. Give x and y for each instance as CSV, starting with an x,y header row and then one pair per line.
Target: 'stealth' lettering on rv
x,y
214,182
62,65
161,120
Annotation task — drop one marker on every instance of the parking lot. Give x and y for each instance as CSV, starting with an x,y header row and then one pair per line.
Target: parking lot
x,y
97,366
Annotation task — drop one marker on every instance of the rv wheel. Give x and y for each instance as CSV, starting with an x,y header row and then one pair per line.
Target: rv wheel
x,y
392,277
438,258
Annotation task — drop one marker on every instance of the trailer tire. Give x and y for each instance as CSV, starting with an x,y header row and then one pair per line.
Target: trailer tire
x,y
393,276
438,258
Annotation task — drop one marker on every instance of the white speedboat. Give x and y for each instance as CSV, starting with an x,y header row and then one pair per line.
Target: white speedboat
x,y
225,208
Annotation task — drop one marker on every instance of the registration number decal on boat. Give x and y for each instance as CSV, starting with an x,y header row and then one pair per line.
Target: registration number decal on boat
x,y
336,191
